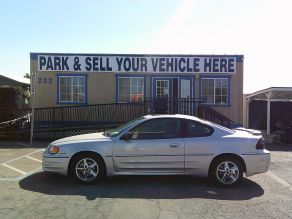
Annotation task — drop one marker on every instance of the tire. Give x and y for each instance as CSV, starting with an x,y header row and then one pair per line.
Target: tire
x,y
226,171
87,168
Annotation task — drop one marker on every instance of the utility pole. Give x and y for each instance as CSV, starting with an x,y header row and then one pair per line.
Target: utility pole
x,y
32,97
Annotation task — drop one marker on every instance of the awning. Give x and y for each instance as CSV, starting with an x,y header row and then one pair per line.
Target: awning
x,y
282,94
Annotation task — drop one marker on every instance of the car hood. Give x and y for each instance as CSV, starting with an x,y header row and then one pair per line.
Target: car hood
x,y
86,137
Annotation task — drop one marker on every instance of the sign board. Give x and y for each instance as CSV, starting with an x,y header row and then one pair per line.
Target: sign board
x,y
139,63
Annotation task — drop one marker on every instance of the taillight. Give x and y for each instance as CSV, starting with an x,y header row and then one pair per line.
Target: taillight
x,y
261,144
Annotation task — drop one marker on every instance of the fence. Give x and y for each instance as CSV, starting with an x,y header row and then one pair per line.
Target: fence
x,y
57,122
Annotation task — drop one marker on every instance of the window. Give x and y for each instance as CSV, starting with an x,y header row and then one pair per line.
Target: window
x,y
130,89
196,129
157,129
71,89
215,90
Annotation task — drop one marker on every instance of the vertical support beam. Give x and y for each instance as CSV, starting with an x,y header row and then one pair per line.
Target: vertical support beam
x,y
268,116
269,95
247,112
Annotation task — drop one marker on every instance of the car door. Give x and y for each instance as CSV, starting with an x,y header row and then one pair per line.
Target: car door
x,y
199,146
155,146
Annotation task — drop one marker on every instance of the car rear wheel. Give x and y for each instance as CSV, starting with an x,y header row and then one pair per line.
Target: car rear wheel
x,y
87,168
226,171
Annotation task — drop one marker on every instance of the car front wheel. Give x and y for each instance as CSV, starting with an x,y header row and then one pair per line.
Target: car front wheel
x,y
87,168
226,171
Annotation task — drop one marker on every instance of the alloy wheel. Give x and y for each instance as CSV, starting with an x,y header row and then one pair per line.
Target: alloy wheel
x,y
87,169
227,172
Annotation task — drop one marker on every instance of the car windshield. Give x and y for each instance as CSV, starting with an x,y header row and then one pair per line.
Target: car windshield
x,y
120,129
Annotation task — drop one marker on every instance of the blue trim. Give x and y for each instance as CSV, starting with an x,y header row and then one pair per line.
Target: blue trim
x,y
34,55
128,76
228,77
58,75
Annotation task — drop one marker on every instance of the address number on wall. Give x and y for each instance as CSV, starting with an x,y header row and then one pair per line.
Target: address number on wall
x,y
45,80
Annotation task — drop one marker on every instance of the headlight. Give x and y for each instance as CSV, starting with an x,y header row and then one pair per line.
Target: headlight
x,y
53,149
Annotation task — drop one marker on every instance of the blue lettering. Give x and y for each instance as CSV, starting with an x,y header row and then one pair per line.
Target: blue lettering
x,y
162,64
57,63
135,65
42,62
50,64
196,65
180,61
231,65
215,65
119,61
207,64
143,64
223,65
102,68
108,67
189,69
127,64
154,63
65,63
88,64
169,64
95,64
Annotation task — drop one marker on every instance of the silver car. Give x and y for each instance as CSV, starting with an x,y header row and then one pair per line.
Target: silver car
x,y
161,145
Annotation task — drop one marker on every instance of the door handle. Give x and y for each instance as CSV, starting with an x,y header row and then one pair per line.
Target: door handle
x,y
174,145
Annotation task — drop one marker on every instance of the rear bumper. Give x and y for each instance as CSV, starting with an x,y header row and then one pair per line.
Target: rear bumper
x,y
56,164
257,163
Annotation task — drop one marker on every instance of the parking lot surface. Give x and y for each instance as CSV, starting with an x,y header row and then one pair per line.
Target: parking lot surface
x,y
27,192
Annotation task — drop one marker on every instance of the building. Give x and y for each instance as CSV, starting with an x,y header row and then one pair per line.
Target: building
x,y
64,79
12,93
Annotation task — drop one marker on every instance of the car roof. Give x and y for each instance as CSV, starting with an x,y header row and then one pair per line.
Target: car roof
x,y
180,116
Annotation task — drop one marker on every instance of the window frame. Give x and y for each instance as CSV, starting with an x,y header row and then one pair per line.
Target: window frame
x,y
130,76
185,133
180,134
59,76
214,78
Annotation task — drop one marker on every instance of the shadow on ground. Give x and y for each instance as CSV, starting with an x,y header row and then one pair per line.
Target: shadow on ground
x,y
144,187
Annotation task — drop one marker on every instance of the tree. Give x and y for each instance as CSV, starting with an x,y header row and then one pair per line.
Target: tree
x,y
27,76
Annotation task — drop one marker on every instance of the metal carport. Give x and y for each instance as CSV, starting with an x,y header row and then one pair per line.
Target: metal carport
x,y
279,94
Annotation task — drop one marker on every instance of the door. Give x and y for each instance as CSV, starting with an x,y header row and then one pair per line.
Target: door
x,y
200,146
186,103
162,94
156,146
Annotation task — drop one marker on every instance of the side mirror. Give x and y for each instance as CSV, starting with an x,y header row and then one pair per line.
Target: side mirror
x,y
128,136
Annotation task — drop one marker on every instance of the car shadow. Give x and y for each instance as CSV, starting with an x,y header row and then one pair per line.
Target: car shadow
x,y
140,187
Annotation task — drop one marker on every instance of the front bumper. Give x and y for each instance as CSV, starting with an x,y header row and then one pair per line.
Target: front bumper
x,y
55,164
257,163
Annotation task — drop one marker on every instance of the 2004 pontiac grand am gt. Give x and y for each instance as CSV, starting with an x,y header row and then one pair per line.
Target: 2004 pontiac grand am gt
x,y
161,145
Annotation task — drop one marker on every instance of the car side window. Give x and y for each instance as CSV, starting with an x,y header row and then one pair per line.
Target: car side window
x,y
196,129
161,128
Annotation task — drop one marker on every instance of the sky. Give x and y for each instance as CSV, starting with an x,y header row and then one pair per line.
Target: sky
x,y
258,29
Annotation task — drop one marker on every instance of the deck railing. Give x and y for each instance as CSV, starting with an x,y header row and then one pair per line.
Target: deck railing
x,y
78,119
